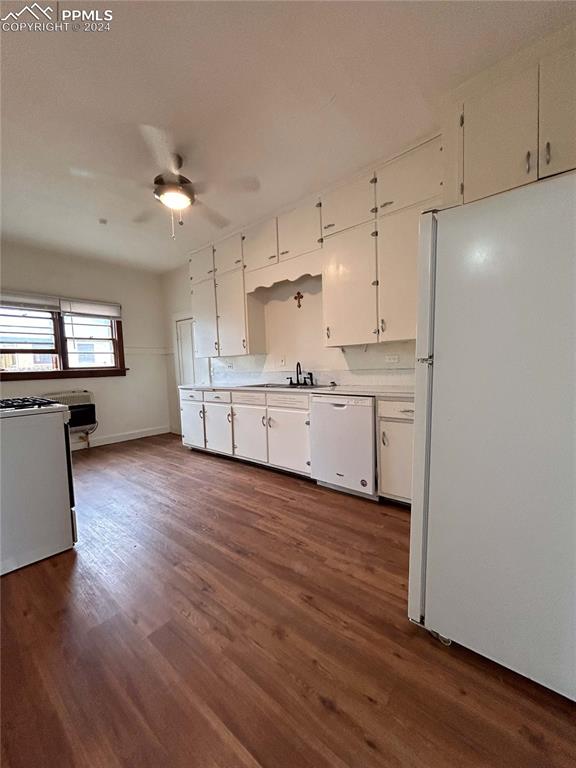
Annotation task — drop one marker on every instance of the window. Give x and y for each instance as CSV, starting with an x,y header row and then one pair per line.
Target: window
x,y
51,343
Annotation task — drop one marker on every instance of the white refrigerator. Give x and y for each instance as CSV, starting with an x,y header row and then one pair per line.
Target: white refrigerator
x,y
493,533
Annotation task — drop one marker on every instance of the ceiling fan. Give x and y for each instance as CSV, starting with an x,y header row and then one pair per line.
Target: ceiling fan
x,y
176,191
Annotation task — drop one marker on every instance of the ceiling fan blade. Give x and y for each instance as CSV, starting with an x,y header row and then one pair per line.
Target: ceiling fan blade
x,y
212,216
161,146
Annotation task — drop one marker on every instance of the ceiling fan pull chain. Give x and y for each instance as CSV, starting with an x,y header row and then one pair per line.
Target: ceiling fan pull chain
x,y
180,219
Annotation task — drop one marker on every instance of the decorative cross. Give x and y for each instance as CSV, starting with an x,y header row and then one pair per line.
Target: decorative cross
x,y
298,298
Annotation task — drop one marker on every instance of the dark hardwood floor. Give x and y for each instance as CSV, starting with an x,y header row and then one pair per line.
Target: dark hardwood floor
x,y
220,615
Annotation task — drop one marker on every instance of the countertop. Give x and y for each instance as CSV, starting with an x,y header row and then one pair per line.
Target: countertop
x,y
368,390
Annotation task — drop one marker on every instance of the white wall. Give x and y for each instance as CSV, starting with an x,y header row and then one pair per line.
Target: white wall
x,y
128,406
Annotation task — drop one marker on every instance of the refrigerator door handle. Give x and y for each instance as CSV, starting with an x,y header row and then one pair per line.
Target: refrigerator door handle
x,y
422,420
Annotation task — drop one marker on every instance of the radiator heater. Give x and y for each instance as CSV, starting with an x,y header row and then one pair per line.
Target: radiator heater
x,y
82,408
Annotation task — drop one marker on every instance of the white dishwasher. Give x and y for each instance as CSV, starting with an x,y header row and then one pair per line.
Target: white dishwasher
x,y
342,442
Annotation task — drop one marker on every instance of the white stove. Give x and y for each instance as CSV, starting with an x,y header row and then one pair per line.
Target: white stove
x,y
37,516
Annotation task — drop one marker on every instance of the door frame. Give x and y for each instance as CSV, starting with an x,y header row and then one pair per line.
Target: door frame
x,y
176,318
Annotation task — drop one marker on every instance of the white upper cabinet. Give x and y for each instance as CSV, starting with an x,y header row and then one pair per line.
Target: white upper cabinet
x,y
558,112
348,205
397,280
230,302
299,231
349,287
260,245
202,264
228,254
410,179
501,136
204,316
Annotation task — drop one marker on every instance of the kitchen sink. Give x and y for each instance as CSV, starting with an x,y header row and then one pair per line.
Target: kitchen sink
x,y
288,386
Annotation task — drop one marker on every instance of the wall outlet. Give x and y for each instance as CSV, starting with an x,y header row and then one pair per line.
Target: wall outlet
x,y
229,364
391,358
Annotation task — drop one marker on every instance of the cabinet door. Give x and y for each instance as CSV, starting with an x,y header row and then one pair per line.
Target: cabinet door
x,y
398,242
395,465
412,178
218,427
346,206
192,422
250,432
260,245
228,254
299,231
558,112
289,439
230,302
349,292
202,265
204,314
501,137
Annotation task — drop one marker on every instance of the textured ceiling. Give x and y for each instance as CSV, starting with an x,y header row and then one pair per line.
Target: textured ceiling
x,y
298,94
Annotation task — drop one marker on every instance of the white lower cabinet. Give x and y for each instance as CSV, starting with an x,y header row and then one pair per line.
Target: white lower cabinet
x,y
192,421
250,432
289,439
395,459
218,427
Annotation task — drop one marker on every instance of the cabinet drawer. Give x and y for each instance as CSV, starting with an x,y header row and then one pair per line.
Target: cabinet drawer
x,y
217,397
287,400
190,394
396,409
249,398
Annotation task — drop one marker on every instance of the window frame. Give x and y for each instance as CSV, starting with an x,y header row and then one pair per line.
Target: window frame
x,y
61,351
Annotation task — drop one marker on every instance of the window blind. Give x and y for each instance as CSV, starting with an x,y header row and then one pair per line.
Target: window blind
x,y
57,304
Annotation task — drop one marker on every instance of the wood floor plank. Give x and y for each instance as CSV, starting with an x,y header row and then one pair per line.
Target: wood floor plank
x,y
220,615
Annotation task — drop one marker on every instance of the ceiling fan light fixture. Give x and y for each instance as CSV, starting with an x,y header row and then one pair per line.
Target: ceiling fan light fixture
x,y
174,196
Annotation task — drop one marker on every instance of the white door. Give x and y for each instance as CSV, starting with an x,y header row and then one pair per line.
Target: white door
x,y
289,439
230,301
395,459
192,421
204,315
250,432
501,562
201,265
412,178
299,231
228,254
185,350
397,274
218,427
260,245
558,112
501,137
349,288
348,205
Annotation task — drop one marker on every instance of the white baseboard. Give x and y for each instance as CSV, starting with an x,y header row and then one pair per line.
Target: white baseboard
x,y
121,437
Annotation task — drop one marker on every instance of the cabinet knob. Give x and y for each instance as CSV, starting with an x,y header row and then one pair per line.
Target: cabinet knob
x,y
229,417
382,325
387,203
384,439
328,226
243,343
263,421
283,253
328,331
272,257
548,153
528,163
269,421
238,261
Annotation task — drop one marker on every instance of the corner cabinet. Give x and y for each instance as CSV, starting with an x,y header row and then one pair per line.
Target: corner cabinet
x,y
349,287
203,297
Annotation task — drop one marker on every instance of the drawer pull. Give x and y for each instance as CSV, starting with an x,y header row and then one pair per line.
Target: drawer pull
x,y
272,257
201,413
263,421
229,417
384,439
283,253
407,410
528,163
387,203
548,153
329,226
